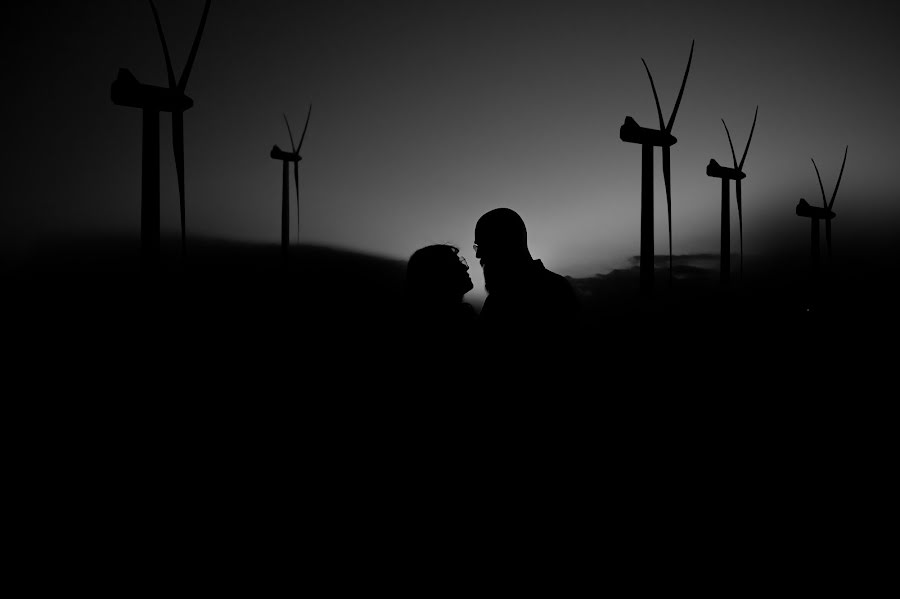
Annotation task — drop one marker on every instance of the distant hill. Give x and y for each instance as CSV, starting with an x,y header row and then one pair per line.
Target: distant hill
x,y
223,288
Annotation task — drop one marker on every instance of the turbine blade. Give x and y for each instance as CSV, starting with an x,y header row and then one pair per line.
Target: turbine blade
x,y
822,187
297,187
681,91
308,112
737,194
838,184
728,133
655,96
667,178
744,157
178,143
162,38
293,147
186,73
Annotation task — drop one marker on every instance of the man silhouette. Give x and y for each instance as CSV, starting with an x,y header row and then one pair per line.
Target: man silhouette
x,y
524,298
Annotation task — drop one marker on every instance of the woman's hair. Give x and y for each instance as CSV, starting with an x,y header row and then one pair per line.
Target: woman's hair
x,y
426,271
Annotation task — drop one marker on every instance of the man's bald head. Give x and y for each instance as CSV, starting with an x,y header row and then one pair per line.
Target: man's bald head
x,y
501,231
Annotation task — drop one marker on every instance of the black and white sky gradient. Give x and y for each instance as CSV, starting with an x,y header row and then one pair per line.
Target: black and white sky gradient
x,y
428,114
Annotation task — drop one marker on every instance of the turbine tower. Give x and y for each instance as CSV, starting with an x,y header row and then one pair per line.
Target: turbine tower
x,y
151,99
736,174
289,157
825,213
631,132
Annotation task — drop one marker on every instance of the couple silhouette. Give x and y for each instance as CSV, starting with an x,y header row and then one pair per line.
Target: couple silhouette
x,y
525,302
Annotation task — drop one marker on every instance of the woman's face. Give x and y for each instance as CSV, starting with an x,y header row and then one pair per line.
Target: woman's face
x,y
459,274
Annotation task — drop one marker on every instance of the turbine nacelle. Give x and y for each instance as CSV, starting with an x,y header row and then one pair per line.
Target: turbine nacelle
x,y
631,132
714,169
126,90
804,209
279,154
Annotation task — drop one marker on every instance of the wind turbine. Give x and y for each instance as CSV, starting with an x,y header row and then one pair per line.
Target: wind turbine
x,y
831,203
631,132
736,174
287,157
152,99
825,213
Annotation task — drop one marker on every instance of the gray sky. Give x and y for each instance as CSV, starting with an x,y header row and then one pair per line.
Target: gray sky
x,y
428,114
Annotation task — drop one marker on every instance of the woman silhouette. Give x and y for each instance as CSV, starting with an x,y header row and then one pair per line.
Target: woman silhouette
x,y
437,278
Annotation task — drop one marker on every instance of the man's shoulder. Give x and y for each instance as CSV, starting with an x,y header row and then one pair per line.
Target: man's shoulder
x,y
550,277
557,291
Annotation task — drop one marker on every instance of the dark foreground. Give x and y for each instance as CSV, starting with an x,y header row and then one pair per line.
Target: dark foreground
x,y
224,419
